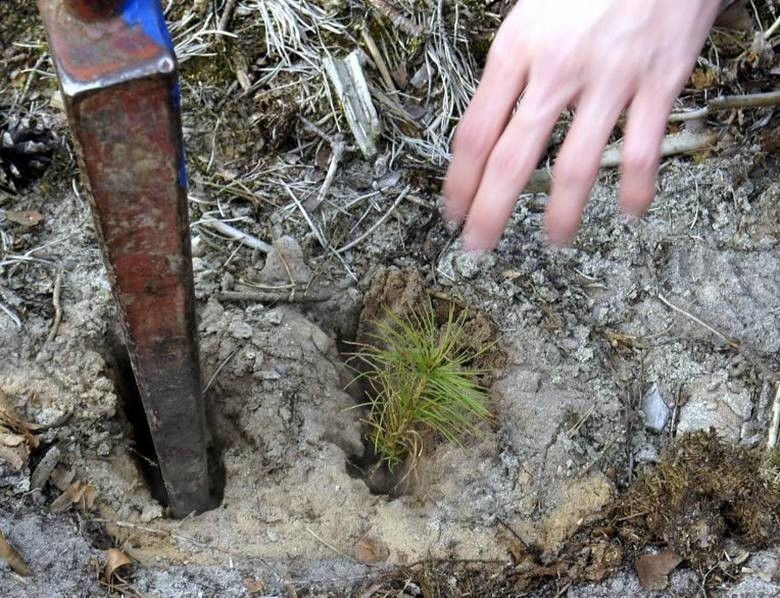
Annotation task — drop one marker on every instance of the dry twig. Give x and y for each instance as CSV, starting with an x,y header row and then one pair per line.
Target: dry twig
x,y
233,233
774,426
733,343
681,143
735,102
227,14
377,224
57,308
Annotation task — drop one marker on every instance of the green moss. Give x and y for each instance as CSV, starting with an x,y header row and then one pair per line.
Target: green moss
x,y
703,491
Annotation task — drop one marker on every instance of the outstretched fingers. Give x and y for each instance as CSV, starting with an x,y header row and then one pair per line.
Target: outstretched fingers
x,y
482,124
641,152
513,159
579,160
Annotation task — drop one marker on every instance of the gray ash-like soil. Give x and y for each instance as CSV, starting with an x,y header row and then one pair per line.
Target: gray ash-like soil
x,y
281,414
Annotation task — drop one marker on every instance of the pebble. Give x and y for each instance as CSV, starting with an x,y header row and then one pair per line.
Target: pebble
x,y
655,408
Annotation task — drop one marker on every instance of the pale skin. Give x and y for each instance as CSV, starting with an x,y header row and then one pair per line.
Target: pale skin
x,y
597,56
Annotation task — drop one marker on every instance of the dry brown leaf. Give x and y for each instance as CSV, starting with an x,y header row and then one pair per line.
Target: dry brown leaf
x,y
115,559
16,457
24,217
254,585
77,493
370,551
654,569
11,420
11,556
11,439
62,477
703,78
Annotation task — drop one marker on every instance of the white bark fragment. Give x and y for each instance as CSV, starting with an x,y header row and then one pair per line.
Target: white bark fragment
x,y
350,83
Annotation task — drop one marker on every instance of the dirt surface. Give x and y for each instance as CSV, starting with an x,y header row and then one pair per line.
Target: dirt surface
x,y
683,304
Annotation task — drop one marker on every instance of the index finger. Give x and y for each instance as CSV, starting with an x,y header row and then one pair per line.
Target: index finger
x,y
482,124
514,158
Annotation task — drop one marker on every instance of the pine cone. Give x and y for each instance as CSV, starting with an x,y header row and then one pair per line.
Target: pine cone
x,y
26,149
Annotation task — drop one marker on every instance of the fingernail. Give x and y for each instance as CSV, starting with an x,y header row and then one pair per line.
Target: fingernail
x,y
473,242
558,239
452,219
451,226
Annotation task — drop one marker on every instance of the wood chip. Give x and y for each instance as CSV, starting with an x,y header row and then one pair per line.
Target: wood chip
x,y
24,217
370,551
45,468
115,559
11,556
654,569
352,90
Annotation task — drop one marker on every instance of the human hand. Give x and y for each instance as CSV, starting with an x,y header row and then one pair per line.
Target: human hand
x,y
598,56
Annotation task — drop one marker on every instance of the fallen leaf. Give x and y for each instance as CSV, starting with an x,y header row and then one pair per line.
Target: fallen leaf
x,y
16,457
653,569
115,559
703,78
11,439
62,477
77,493
10,555
11,421
370,551
254,585
24,217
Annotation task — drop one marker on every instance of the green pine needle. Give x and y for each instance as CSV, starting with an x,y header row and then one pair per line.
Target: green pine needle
x,y
419,382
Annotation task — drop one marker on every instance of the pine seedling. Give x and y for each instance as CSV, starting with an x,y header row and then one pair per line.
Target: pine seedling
x,y
420,382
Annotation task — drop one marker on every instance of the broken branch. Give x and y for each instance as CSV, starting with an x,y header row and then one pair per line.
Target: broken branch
x,y
719,104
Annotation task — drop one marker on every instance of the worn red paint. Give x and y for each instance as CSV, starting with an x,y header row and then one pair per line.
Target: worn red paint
x,y
90,10
120,92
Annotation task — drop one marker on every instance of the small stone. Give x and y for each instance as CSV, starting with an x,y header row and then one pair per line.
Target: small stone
x,y
239,329
646,453
656,409
712,404
458,263
321,340
274,317
50,416
285,264
151,512
470,263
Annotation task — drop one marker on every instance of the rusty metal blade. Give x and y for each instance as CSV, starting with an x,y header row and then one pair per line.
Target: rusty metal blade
x,y
118,78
